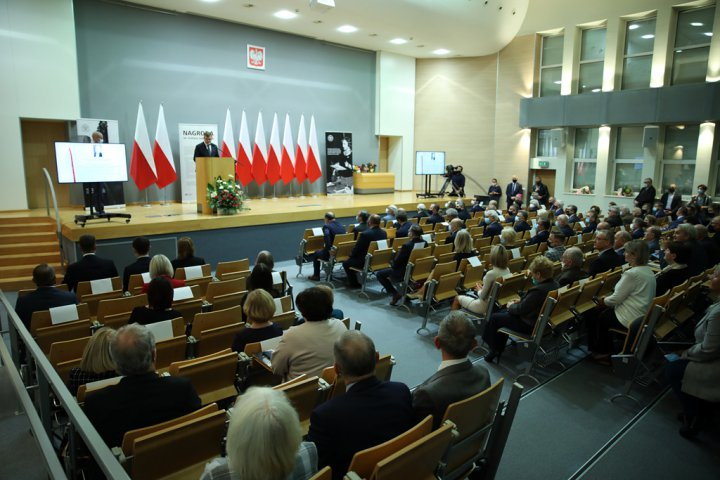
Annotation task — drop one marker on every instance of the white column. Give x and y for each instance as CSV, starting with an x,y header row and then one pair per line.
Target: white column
x,y
613,55
570,67
650,156
713,73
662,52
703,163
603,160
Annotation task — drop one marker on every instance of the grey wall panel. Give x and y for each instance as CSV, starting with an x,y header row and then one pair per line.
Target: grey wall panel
x,y
631,106
685,103
589,109
195,66
542,112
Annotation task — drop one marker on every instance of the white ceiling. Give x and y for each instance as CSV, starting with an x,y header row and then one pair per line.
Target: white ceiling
x,y
464,27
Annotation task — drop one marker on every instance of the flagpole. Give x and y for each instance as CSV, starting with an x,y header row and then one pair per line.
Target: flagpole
x,y
292,195
147,199
274,191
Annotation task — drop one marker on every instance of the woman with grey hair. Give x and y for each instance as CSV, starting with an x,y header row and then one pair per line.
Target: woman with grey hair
x,y
629,301
264,441
160,266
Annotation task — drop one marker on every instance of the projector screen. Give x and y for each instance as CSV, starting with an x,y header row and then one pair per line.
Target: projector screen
x,y
429,163
90,162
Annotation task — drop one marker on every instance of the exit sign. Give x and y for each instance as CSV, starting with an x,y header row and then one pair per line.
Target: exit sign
x,y
544,164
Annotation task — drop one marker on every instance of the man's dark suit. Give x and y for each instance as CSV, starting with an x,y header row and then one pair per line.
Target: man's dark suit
x,y
541,237
570,275
674,224
646,195
357,256
403,230
711,250
89,267
201,150
573,218
435,218
567,231
674,203
359,228
370,413
493,229
43,298
542,191
512,189
449,385
329,231
397,266
463,214
141,265
139,401
589,227
451,238
605,261
614,220
521,226
698,258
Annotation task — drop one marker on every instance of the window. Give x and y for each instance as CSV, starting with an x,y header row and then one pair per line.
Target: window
x,y
692,45
679,155
546,147
592,60
637,63
628,159
551,65
585,158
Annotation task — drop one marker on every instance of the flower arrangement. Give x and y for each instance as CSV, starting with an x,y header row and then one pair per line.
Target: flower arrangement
x,y
225,196
626,191
365,168
583,191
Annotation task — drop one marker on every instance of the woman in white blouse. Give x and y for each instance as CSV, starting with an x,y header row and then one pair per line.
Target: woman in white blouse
x,y
630,300
499,260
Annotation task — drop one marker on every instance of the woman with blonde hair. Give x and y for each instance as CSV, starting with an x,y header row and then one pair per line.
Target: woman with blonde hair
x,y
508,237
160,266
264,441
259,309
463,246
499,257
186,254
96,363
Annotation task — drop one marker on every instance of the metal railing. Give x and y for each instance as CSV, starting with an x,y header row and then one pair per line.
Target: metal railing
x,y
43,380
50,192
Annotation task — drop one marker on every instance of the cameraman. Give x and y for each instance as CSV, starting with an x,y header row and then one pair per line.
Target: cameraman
x,y
457,179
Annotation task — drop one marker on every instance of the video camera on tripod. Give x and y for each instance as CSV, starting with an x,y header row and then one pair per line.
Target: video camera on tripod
x,y
451,170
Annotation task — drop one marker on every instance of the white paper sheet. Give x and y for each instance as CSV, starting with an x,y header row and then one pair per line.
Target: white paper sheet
x,y
534,222
278,306
146,277
161,330
582,224
191,273
583,281
182,293
501,217
446,224
90,386
427,237
277,278
474,261
317,231
418,245
382,244
507,275
66,313
103,285
516,253
270,344
533,232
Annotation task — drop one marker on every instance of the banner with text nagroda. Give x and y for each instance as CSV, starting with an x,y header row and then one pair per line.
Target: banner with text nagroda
x,y
190,134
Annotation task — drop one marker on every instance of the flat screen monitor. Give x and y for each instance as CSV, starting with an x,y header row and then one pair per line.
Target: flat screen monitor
x,y
429,163
90,162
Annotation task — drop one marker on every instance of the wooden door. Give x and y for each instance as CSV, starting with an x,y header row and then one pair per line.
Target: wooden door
x,y
38,141
548,178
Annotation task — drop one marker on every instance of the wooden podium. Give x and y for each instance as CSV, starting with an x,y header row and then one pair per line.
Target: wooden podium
x,y
207,169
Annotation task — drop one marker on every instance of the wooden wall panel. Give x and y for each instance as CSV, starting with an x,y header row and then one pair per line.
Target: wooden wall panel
x,y
38,143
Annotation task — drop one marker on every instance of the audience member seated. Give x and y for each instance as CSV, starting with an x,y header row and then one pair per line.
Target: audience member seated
x,y
629,301
464,246
650,221
362,225
308,348
402,225
369,413
264,441
44,297
357,256
435,216
558,208
266,258
562,224
670,200
680,219
261,278
652,238
475,206
543,233
499,257
613,217
390,213
695,375
508,237
638,213
520,315
677,256
336,312
455,226
493,224
186,255
90,266
457,378
714,227
521,222
556,245
626,216
511,216
637,228
96,363
159,307
708,244
141,249
687,234
572,261
462,211
141,398
422,211
396,272
160,266
571,212
259,310
450,213
658,211
591,223
607,259
331,228
621,238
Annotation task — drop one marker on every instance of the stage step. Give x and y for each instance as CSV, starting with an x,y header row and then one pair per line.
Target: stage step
x,y
13,284
27,237
35,227
24,258
25,220
24,269
29,248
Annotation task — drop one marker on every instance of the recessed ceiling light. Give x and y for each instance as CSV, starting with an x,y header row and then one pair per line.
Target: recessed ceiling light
x,y
633,26
595,90
708,34
347,29
648,36
678,51
285,14
398,41
558,82
441,51
696,24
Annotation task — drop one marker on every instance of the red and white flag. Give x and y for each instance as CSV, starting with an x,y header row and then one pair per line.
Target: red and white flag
x,y
243,167
301,152
162,153
228,142
273,158
142,165
313,154
287,158
259,156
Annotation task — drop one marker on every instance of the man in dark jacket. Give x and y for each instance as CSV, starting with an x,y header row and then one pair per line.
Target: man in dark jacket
x,y
542,235
331,228
572,260
435,216
357,256
396,271
90,266
670,201
541,190
493,228
646,195
141,250
608,259
687,234
711,247
46,296
369,413
521,222
402,225
513,188
362,225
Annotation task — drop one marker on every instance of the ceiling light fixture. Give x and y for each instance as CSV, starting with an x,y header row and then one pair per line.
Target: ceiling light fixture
x,y
285,14
648,36
347,29
696,24
595,90
441,51
398,41
633,26
708,34
558,82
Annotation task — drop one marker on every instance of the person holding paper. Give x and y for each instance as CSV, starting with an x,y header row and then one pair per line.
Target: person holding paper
x,y
141,250
97,363
499,258
90,266
330,228
159,307
399,263
357,256
160,266
259,310
44,297
186,254
572,262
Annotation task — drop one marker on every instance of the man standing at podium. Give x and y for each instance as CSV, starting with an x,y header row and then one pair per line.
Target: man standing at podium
x,y
206,148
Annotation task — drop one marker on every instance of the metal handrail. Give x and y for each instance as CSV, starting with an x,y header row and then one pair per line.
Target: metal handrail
x,y
58,226
48,379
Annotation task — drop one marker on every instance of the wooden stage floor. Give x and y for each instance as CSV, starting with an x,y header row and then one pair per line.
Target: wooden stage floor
x,y
176,217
